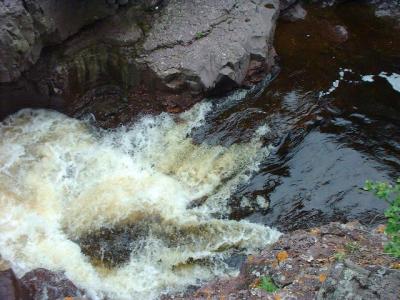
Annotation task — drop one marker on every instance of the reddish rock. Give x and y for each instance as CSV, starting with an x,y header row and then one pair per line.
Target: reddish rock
x,y
11,288
43,283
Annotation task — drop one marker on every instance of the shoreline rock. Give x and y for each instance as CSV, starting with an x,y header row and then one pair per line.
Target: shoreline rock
x,y
312,265
180,53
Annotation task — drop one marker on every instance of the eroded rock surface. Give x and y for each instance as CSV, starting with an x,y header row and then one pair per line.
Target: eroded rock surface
x,y
172,54
205,44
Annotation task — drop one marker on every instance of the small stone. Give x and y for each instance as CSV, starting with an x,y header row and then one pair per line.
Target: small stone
x,y
381,228
282,256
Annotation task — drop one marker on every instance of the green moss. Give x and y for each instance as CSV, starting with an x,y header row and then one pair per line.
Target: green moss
x,y
339,256
267,284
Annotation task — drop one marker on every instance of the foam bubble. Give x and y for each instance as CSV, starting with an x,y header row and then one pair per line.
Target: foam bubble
x,y
61,179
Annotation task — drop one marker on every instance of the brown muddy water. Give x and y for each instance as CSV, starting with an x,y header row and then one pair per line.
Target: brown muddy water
x,y
171,201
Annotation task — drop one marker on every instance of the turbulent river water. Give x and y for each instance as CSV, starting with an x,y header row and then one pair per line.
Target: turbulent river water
x,y
62,180
173,200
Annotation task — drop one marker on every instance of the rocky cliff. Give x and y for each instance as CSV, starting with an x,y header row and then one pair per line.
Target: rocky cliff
x,y
69,52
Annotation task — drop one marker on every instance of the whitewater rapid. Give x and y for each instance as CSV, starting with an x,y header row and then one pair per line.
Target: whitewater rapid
x,y
62,179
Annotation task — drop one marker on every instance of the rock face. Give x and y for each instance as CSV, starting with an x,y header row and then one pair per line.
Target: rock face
x,y
26,26
184,50
205,44
309,265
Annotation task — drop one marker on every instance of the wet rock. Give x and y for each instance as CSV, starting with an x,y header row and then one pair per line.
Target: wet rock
x,y
10,287
96,57
349,281
339,33
301,262
387,8
45,284
285,4
18,40
27,26
326,3
210,44
111,246
188,51
294,13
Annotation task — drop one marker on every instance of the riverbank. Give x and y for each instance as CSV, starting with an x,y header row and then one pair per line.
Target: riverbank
x,y
334,261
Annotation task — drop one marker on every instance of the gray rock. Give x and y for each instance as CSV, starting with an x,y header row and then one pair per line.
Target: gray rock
x,y
209,43
294,13
349,281
285,4
19,41
29,25
101,55
387,8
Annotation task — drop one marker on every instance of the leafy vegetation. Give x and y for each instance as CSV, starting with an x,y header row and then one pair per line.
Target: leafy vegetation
x,y
267,284
339,256
390,194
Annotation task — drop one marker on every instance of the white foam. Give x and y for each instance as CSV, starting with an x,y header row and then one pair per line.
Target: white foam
x,y
61,179
393,79
368,78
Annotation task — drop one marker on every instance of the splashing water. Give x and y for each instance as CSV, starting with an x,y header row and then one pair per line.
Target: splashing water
x,y
61,179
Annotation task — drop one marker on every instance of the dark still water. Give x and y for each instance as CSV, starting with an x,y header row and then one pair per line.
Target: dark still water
x,y
334,119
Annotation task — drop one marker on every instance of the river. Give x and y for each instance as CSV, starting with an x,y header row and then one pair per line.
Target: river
x,y
171,201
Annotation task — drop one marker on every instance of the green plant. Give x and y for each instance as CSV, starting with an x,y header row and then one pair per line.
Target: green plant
x,y
339,256
352,247
199,35
390,194
267,284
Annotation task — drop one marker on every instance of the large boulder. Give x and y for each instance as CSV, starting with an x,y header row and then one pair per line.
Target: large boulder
x,y
171,54
206,44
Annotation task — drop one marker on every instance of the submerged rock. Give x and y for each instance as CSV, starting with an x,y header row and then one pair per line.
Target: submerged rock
x,y
294,13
